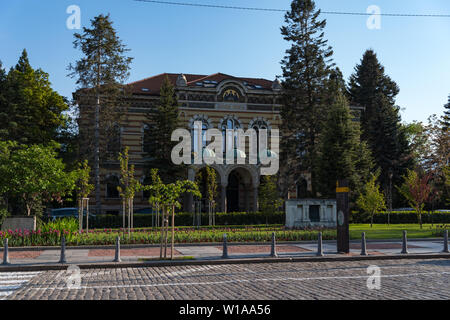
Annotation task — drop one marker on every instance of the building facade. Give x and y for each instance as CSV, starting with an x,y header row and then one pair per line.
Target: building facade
x,y
217,101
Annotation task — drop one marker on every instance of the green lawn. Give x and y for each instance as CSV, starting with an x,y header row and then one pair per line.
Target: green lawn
x,y
393,231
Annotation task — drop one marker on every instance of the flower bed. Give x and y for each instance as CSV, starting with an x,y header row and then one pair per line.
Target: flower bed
x,y
18,238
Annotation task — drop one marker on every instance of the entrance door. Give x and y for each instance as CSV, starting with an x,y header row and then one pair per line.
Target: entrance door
x,y
233,193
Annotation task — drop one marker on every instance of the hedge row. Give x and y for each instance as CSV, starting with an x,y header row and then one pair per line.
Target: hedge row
x,y
400,217
258,218
186,219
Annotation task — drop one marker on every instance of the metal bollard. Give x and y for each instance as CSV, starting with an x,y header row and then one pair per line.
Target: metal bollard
x,y
273,249
363,245
404,243
445,242
63,250
319,246
117,255
5,252
225,247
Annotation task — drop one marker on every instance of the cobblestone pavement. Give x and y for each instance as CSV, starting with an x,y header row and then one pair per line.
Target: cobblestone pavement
x,y
399,279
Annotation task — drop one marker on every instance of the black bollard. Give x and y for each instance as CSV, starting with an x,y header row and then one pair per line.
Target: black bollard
x,y
319,246
225,247
404,243
117,255
5,252
273,250
445,242
363,245
63,250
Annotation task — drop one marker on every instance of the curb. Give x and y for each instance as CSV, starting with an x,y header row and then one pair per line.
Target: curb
x,y
114,265
206,244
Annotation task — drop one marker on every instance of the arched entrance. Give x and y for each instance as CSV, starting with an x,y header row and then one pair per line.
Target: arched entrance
x,y
233,192
238,192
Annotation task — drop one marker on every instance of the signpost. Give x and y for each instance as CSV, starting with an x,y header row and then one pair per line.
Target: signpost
x,y
343,214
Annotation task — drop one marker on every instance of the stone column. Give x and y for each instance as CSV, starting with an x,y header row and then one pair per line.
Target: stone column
x,y
189,197
223,196
255,198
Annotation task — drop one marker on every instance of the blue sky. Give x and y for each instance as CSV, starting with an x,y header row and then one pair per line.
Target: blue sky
x,y
163,38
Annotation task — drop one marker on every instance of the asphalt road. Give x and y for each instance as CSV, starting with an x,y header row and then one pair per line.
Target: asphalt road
x,y
388,279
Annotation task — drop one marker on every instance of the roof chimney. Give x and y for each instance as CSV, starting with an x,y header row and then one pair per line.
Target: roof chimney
x,y
181,81
276,85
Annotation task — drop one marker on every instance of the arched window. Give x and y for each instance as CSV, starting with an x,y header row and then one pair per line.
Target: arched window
x,y
112,182
146,139
257,125
195,129
230,138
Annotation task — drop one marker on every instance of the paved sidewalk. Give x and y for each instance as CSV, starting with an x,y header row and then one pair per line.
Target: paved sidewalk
x,y
214,252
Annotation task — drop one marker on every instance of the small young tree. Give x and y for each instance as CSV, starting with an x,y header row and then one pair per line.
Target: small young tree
x,y
211,190
269,198
83,189
371,199
417,190
168,195
128,188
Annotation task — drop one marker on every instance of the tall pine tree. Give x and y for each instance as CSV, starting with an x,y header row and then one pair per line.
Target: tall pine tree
x,y
102,70
381,127
306,68
163,121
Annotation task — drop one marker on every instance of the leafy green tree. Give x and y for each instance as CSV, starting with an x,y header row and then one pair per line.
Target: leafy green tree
x,y
100,74
83,188
31,111
211,192
416,189
164,121
436,157
342,154
269,197
371,199
306,69
372,89
35,174
418,136
129,185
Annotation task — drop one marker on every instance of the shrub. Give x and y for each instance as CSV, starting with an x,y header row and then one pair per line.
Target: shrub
x,y
186,219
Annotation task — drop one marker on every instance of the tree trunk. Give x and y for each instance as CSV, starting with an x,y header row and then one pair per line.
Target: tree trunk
x,y
97,154
420,219
371,220
80,215
173,232
162,235
124,213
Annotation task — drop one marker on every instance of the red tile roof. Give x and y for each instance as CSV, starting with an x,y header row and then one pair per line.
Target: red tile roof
x,y
153,84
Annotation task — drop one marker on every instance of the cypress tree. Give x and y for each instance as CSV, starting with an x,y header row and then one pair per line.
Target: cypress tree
x,y
306,68
342,154
163,121
445,122
371,88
